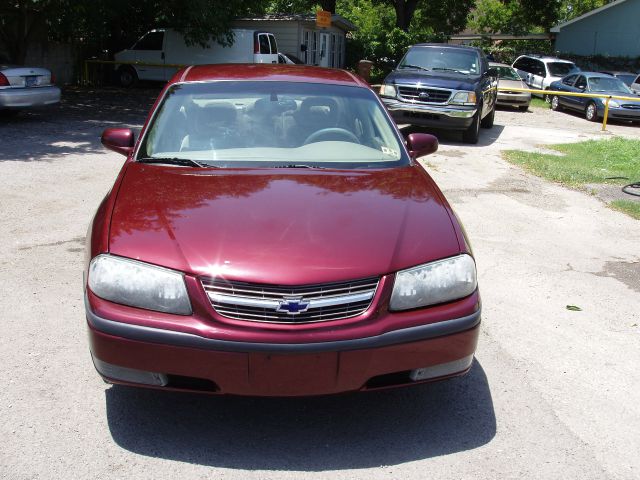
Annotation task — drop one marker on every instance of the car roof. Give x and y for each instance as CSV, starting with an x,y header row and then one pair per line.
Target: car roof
x,y
545,58
618,72
497,64
446,45
267,72
593,74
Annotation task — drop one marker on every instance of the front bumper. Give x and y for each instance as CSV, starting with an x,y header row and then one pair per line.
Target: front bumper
x,y
622,113
514,99
437,116
191,362
29,97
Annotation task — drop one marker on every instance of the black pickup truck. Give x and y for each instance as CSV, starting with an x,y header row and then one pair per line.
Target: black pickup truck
x,y
443,86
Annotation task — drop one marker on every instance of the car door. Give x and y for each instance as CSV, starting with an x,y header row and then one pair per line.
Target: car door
x,y
580,86
567,85
149,50
635,86
539,72
523,67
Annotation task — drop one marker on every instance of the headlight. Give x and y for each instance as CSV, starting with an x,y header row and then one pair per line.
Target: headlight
x,y
138,284
464,98
387,90
435,282
613,103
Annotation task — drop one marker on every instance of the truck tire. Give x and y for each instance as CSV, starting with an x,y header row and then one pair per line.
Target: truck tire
x,y
126,76
487,122
471,134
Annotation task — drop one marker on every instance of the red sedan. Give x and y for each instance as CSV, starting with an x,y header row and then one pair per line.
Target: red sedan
x,y
271,233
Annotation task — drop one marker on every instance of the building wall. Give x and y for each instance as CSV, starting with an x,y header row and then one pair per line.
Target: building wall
x,y
613,32
290,36
60,58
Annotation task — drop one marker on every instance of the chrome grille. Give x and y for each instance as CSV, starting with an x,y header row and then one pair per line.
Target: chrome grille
x,y
269,303
633,106
434,95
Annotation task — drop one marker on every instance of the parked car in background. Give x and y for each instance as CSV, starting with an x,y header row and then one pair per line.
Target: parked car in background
x,y
442,86
635,86
626,77
509,78
592,107
539,72
26,87
165,46
271,233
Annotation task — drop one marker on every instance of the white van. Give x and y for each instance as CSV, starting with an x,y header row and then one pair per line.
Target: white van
x,y
168,47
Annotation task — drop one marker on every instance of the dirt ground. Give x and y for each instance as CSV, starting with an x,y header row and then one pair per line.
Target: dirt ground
x,y
553,393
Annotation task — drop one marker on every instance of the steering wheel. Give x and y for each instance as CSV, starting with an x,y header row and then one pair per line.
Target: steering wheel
x,y
331,131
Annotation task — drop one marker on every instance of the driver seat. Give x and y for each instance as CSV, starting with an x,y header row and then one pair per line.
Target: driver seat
x,y
314,114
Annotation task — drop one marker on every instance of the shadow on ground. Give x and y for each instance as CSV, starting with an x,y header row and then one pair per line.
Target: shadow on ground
x,y
306,434
454,137
74,126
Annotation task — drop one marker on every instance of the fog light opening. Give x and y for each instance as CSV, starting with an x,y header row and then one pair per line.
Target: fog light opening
x,y
131,375
441,370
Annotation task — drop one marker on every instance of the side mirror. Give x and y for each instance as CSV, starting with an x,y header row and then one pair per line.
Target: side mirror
x,y
119,140
421,144
492,72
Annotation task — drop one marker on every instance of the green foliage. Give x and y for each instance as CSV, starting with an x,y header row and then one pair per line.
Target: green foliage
x,y
378,39
630,207
526,16
96,25
593,161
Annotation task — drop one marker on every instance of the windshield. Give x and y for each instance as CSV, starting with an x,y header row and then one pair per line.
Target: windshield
x,y
273,124
628,79
561,69
608,84
507,73
445,59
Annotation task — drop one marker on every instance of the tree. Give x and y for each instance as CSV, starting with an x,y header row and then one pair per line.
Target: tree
x,y
114,24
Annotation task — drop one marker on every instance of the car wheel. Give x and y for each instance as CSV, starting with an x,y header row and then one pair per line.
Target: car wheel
x,y
523,108
487,122
127,76
471,134
547,98
591,112
555,103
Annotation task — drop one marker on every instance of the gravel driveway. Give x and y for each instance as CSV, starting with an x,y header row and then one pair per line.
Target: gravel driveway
x,y
553,393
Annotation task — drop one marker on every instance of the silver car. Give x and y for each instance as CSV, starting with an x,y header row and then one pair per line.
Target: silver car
x,y
509,78
26,87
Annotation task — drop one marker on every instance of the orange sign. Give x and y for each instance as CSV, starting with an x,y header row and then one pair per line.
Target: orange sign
x,y
323,19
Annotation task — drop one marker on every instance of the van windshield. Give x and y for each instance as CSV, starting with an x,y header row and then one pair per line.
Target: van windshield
x,y
250,123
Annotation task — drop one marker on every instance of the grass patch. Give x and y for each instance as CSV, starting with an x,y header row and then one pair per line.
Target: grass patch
x,y
629,207
592,161
537,102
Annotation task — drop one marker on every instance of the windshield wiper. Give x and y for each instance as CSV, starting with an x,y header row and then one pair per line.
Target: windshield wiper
x,y
185,162
445,69
408,65
299,165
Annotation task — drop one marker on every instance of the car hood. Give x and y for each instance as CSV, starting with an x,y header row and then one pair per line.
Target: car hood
x,y
450,80
281,226
504,83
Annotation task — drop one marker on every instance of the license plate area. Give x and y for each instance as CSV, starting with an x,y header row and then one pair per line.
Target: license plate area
x,y
295,374
31,81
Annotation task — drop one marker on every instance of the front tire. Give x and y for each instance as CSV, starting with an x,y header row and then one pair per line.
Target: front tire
x,y
471,134
487,122
555,103
127,76
591,112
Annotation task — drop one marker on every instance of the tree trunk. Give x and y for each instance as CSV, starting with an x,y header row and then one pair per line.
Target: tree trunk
x,y
328,5
404,12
